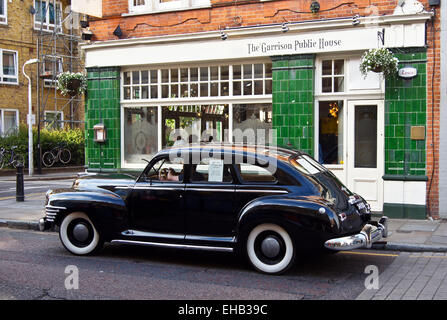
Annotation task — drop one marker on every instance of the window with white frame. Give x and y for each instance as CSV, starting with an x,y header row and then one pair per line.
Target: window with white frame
x,y
333,76
198,82
48,14
3,12
54,120
137,6
51,67
9,121
8,66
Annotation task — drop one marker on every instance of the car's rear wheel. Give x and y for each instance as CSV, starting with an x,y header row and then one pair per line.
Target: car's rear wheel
x,y
270,249
79,235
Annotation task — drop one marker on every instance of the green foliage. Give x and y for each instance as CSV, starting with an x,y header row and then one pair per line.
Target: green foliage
x,y
64,79
379,60
72,139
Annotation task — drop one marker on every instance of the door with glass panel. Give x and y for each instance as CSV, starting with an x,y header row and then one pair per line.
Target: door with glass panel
x,y
365,156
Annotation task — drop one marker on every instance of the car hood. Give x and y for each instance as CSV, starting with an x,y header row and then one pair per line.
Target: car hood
x,y
104,181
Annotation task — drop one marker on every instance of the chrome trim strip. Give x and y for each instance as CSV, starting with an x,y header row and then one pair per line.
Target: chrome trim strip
x,y
54,207
262,191
211,238
171,245
159,188
210,189
136,233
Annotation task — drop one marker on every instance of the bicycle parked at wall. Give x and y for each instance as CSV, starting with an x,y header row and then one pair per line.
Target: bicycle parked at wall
x,y
14,158
59,153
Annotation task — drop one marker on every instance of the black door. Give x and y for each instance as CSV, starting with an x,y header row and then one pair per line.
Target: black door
x,y
157,200
209,202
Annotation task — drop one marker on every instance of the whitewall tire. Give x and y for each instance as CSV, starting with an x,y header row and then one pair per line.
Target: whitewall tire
x,y
270,249
78,234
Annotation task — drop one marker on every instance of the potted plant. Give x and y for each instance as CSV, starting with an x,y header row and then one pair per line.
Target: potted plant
x,y
71,83
379,60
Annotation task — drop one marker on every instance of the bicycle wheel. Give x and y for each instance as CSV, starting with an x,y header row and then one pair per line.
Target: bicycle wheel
x,y
65,156
48,159
18,158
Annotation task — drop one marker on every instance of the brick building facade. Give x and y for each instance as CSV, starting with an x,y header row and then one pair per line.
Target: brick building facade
x,y
21,34
209,66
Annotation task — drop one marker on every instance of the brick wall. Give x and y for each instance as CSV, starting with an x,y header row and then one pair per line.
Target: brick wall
x,y
19,35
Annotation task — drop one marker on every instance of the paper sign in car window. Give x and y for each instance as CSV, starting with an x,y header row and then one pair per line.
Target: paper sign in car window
x,y
215,171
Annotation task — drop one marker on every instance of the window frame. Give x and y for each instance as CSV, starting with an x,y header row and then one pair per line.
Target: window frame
x,y
16,67
4,16
245,182
2,119
60,124
47,26
52,83
127,89
332,76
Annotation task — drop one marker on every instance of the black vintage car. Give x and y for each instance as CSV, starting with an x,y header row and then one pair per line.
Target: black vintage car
x,y
266,203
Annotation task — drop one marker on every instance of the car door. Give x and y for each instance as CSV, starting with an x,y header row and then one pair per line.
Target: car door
x,y
257,181
209,201
157,200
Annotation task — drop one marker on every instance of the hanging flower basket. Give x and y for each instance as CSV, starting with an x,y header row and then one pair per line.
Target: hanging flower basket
x,y
379,61
71,83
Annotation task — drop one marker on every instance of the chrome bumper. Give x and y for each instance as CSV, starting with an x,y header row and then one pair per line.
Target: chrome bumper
x,y
51,213
370,233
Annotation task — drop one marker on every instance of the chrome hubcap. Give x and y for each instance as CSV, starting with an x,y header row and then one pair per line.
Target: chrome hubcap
x,y
270,247
80,232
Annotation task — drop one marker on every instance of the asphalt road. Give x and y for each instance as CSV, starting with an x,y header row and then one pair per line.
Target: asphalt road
x,y
33,265
8,188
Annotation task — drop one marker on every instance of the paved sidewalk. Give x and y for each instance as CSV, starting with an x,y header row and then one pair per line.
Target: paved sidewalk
x,y
412,276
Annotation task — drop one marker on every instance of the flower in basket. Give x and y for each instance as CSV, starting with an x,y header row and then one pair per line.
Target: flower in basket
x,y
379,60
71,83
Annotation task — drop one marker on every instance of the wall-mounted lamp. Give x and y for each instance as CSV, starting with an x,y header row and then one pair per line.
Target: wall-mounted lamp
x,y
99,131
118,32
355,20
284,28
223,35
315,7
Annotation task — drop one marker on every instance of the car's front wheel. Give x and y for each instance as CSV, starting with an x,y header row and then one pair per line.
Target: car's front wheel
x,y
270,249
79,235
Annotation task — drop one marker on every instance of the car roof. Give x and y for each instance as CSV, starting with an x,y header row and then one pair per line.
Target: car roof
x,y
267,151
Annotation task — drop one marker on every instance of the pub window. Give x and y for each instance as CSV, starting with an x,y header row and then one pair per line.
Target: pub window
x,y
200,81
140,134
330,136
333,76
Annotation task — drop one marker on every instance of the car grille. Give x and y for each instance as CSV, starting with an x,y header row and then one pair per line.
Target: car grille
x,y
51,212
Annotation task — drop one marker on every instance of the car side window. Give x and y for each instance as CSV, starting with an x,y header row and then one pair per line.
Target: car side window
x,y
255,173
211,170
167,171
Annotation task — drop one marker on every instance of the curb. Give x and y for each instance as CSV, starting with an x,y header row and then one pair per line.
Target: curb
x,y
40,178
20,224
407,247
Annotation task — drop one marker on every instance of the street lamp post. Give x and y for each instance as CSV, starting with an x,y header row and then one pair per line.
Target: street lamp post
x,y
30,124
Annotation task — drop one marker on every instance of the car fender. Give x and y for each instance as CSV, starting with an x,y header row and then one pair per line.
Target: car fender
x,y
307,213
107,210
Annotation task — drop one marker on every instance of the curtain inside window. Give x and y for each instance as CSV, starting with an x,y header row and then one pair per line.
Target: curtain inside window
x,y
8,64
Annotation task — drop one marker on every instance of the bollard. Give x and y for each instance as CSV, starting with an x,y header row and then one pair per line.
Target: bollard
x,y
20,189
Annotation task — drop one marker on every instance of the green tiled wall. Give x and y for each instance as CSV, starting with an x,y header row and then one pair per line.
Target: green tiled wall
x,y
405,106
293,101
103,106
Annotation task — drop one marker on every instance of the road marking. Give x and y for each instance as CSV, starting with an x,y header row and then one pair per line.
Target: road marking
x,y
26,195
370,253
439,257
